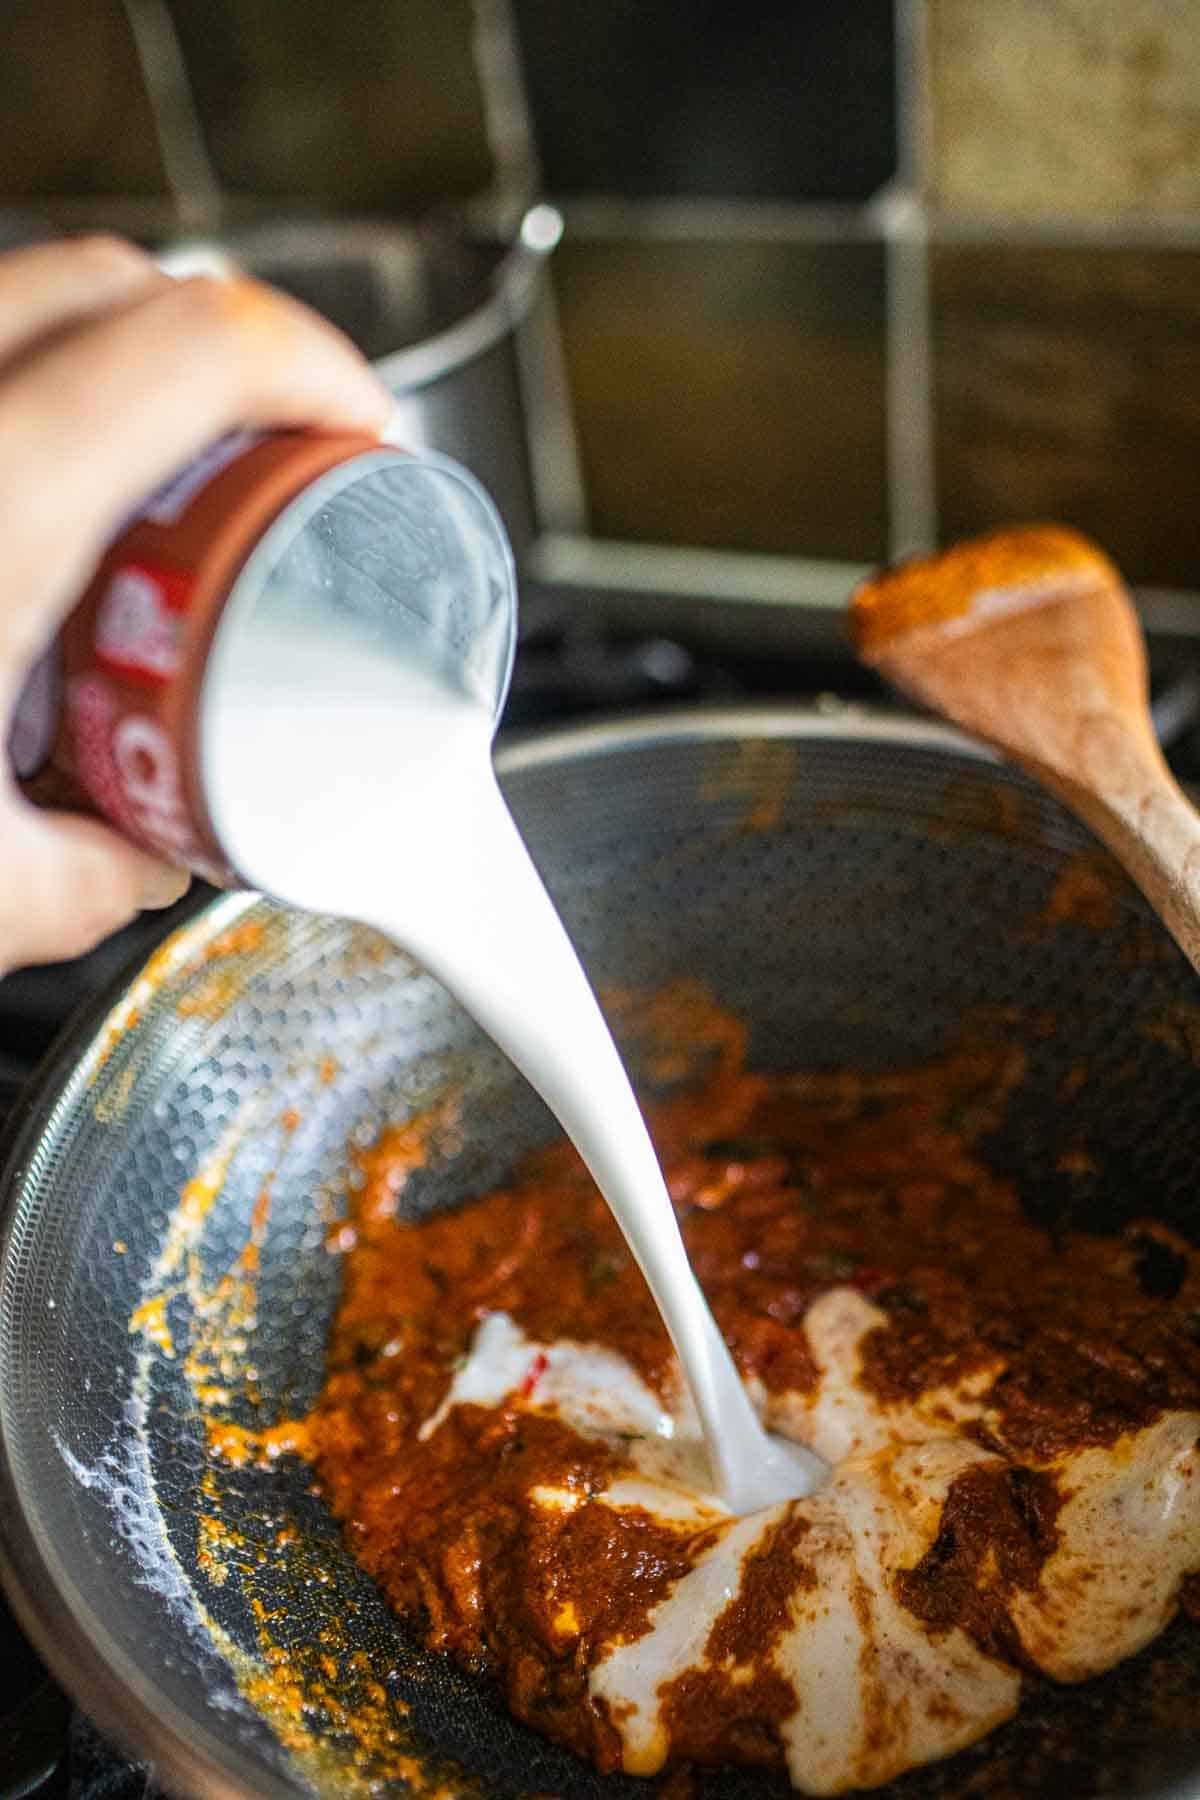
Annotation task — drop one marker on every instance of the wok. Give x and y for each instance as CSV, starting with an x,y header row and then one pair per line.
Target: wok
x,y
861,890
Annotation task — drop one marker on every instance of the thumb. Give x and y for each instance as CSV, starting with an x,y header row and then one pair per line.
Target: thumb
x,y
67,883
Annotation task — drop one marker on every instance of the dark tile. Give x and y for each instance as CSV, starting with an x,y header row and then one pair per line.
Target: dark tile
x,y
371,107
729,395
1075,106
1067,387
712,97
75,118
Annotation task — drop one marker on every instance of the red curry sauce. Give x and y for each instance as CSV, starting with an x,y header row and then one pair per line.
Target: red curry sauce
x,y
784,1188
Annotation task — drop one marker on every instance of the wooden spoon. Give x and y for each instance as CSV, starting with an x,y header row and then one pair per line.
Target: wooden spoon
x,y
1028,638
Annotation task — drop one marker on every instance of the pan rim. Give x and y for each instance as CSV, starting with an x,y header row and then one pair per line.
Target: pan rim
x,y
188,1758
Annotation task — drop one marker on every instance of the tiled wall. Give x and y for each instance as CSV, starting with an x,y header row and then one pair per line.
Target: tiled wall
x,y
730,394
366,105
75,118
1067,385
838,279
723,296
1063,184
1042,108
779,99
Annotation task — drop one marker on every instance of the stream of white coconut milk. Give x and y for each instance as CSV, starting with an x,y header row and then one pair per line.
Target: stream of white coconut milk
x,y
344,780
472,907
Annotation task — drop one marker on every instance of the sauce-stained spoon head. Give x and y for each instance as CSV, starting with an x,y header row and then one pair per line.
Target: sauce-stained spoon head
x,y
1027,637
977,581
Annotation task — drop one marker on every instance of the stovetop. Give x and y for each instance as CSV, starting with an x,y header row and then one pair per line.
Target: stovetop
x,y
564,673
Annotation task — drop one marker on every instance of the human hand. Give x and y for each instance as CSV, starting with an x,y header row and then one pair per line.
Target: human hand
x,y
112,377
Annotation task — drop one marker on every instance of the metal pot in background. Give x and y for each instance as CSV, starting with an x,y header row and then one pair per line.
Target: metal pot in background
x,y
462,330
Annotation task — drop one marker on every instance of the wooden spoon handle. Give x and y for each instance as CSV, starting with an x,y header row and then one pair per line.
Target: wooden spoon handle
x,y
1145,819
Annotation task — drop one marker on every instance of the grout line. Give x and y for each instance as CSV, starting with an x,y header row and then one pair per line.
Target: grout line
x,y
555,466
914,123
1107,231
190,176
911,472
893,212
897,210
752,578
911,481
810,593
687,219
551,447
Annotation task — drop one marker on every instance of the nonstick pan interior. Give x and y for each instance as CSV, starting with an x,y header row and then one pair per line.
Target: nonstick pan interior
x,y
862,892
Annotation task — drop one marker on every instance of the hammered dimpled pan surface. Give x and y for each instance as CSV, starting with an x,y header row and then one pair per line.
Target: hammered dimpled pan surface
x,y
861,891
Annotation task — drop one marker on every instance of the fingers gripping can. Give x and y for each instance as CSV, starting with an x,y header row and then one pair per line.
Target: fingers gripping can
x,y
109,720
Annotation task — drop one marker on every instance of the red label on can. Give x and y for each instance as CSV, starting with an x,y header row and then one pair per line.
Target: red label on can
x,y
139,623
148,771
127,765
91,714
